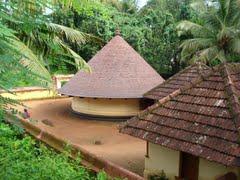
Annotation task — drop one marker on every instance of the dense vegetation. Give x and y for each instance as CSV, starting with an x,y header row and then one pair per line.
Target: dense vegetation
x,y
62,33
28,41
21,157
216,38
151,30
157,31
27,28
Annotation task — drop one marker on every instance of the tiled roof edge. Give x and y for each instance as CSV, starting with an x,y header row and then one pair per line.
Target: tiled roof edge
x,y
175,93
150,108
232,97
199,64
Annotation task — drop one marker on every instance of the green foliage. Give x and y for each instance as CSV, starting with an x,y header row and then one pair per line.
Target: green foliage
x,y
25,33
56,38
160,176
150,30
30,43
17,76
42,41
217,37
161,41
21,157
102,176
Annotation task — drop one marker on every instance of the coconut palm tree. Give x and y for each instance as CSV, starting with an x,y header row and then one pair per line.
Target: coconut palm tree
x,y
217,37
42,41
9,58
28,39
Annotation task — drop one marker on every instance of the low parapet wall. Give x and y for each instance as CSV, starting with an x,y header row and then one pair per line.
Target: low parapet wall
x,y
88,159
29,93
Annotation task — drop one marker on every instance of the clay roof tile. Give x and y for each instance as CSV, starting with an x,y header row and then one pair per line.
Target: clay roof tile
x,y
202,119
118,71
179,80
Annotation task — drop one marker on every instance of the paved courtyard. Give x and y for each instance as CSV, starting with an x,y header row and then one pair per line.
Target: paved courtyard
x,y
99,137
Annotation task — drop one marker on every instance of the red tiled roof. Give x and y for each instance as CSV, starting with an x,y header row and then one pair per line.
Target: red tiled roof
x,y
179,80
202,119
118,71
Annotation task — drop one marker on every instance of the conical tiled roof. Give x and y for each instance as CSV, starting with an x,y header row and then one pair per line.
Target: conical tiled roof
x,y
118,71
202,119
179,80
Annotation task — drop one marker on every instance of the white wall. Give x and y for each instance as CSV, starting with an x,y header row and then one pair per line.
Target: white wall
x,y
161,158
210,170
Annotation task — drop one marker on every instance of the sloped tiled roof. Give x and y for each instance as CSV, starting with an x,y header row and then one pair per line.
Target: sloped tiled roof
x,y
118,71
179,80
202,119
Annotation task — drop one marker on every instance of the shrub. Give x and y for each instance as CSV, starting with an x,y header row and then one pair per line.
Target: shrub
x,y
160,176
25,158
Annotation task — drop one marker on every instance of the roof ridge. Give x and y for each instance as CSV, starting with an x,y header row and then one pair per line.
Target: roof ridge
x,y
199,64
232,96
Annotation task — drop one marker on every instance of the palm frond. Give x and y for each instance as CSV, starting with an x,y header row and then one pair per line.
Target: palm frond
x,y
193,28
192,46
71,34
208,54
30,60
197,43
226,33
221,25
213,22
79,61
235,45
234,15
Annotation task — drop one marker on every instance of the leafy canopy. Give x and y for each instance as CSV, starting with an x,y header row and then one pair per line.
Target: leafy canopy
x,y
46,40
217,37
21,157
151,30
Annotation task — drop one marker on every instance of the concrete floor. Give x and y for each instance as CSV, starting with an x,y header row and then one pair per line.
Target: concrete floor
x,y
121,149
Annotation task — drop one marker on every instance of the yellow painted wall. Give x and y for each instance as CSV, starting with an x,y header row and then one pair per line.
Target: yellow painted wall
x,y
210,170
161,158
26,95
106,107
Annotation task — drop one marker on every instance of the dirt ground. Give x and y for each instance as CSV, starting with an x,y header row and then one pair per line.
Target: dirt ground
x,y
99,137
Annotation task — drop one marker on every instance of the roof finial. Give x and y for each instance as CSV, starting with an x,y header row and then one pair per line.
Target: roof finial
x,y
117,32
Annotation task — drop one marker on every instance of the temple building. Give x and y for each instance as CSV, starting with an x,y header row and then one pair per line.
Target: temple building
x,y
193,132
115,88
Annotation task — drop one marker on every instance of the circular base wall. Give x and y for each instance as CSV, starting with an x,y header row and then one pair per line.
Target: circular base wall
x,y
106,107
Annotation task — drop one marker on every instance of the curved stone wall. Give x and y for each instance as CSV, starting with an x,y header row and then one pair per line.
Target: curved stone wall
x,y
106,107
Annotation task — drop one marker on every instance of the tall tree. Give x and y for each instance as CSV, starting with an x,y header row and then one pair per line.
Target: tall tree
x,y
28,39
51,43
217,37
